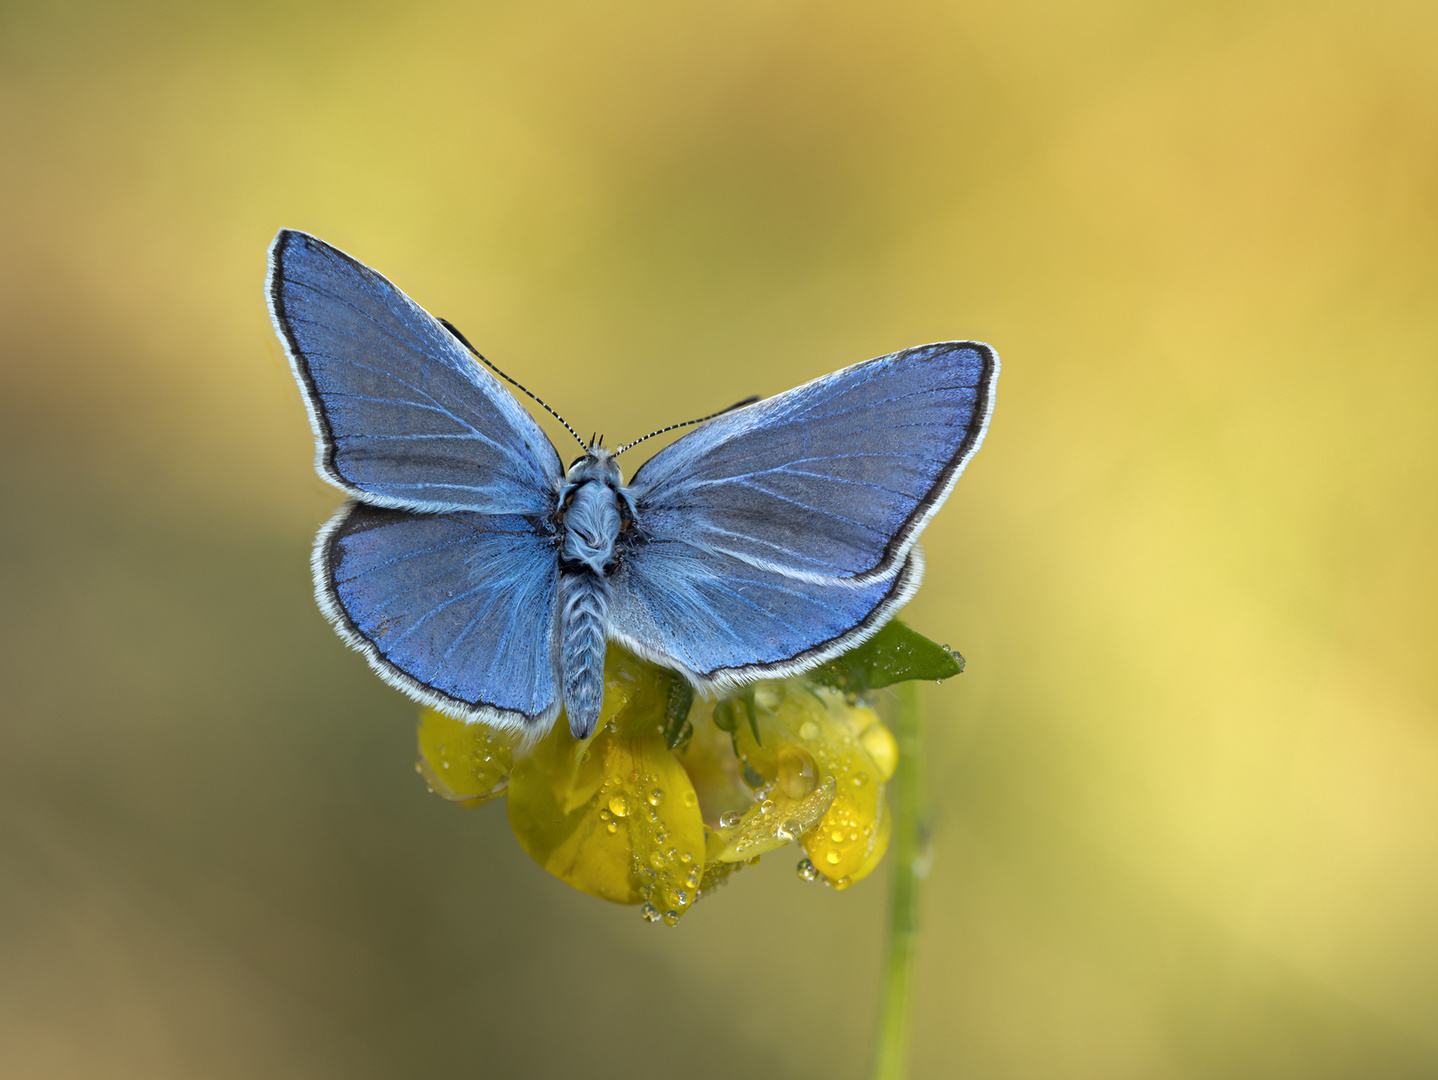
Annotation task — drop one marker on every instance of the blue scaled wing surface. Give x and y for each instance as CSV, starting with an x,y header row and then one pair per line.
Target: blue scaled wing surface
x,y
778,535
443,572
456,609
403,416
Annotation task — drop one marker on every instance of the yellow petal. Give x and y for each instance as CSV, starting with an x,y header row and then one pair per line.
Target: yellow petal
x,y
876,853
464,763
775,820
570,841
713,768
848,841
615,816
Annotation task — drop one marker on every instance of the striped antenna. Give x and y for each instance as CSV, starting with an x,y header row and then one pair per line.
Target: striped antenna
x,y
737,405
465,342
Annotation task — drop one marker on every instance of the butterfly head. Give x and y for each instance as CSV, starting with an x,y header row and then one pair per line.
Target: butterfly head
x,y
596,463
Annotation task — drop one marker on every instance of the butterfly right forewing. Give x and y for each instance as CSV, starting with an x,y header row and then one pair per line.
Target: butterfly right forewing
x,y
835,478
779,535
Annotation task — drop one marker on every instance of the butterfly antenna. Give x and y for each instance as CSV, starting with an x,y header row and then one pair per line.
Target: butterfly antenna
x,y
687,423
465,342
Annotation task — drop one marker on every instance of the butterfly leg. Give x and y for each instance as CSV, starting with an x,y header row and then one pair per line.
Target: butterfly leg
x,y
584,615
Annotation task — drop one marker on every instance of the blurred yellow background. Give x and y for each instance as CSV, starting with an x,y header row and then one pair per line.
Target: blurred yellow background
x,y
1185,804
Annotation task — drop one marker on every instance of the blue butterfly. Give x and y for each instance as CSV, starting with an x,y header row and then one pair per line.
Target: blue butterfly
x,y
481,577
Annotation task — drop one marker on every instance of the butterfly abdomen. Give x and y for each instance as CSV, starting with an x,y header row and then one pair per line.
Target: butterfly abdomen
x,y
583,616
591,518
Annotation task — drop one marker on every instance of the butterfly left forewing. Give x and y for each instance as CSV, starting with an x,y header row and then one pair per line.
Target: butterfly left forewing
x,y
403,416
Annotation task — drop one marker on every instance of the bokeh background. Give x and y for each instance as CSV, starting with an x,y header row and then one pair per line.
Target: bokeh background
x,y
1185,804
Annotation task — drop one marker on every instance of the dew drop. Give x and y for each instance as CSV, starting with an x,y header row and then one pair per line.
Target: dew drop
x,y
790,830
671,918
692,878
807,870
619,805
650,913
613,826
754,861
730,820
831,858
808,731
679,897
767,806
656,797
797,774
860,779
656,860
837,836
691,799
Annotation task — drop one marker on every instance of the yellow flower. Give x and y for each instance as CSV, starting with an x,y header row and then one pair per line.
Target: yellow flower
x,y
671,795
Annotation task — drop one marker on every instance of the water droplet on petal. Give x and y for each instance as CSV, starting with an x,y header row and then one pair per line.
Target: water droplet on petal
x,y
831,858
767,806
650,913
731,819
679,897
656,797
613,826
671,918
619,805
797,774
808,731
807,870
691,799
790,830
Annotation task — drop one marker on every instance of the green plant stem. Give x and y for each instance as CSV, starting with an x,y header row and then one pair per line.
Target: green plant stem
x,y
891,1040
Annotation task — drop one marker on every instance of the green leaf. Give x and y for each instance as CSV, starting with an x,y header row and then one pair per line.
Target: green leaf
x,y
675,727
895,654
